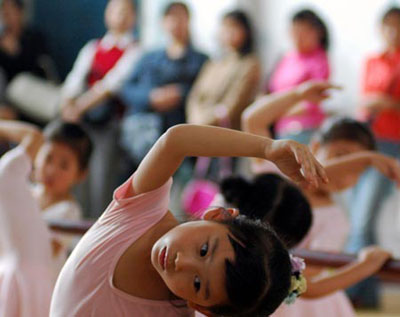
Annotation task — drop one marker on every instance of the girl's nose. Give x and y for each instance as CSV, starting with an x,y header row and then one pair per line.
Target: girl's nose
x,y
183,263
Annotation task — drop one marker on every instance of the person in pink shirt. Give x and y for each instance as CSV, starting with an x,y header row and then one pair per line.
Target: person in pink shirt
x,y
137,260
308,61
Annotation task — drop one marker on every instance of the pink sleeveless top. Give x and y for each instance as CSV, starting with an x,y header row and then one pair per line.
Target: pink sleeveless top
x,y
328,233
85,286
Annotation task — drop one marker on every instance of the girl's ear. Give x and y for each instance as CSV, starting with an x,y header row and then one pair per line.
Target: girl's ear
x,y
220,214
200,309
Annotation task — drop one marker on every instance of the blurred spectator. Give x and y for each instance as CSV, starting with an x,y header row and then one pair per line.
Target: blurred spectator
x,y
308,61
22,49
380,107
100,70
158,87
228,84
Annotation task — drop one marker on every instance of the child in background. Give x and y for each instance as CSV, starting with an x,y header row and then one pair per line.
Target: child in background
x,y
137,258
59,165
26,259
345,148
88,94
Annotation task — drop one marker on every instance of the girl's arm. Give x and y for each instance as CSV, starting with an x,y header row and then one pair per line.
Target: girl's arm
x,y
266,110
294,159
369,262
24,134
344,172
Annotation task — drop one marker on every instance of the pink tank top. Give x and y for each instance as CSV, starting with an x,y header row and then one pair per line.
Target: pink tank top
x,y
85,286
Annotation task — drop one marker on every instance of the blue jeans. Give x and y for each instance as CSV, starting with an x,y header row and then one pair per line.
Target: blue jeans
x,y
367,198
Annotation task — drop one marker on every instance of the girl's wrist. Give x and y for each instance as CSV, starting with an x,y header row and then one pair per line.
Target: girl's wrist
x,y
269,147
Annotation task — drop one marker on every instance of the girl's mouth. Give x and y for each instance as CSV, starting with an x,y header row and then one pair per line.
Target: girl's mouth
x,y
162,258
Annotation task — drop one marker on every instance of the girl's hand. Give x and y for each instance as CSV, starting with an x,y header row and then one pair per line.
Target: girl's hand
x,y
296,161
388,166
374,256
315,91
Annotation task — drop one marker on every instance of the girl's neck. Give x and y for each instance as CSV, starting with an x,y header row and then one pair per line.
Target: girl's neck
x,y
48,198
319,198
140,278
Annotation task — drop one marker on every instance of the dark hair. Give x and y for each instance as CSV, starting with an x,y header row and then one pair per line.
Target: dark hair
x,y
342,128
315,21
259,279
174,5
18,3
241,17
72,135
389,12
272,199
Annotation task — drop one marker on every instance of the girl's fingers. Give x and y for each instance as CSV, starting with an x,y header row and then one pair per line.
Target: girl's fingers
x,y
297,156
320,170
307,168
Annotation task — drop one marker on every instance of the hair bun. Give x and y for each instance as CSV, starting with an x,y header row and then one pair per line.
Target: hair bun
x,y
234,189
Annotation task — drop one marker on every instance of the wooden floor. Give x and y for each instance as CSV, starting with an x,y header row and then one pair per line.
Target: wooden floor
x,y
391,304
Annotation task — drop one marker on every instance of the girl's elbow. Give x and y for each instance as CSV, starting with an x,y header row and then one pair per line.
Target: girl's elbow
x,y
171,137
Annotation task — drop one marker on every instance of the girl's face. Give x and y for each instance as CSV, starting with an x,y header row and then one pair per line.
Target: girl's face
x,y
305,37
191,261
391,31
176,24
337,149
120,16
232,34
57,168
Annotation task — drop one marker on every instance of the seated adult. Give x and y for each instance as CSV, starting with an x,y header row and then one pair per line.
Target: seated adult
x,y
22,49
156,92
101,69
229,84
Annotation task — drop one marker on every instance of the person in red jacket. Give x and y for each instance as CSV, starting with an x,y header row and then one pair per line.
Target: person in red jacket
x,y
381,108
102,67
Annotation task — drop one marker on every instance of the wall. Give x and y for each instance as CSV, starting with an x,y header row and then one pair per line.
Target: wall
x,y
205,19
68,25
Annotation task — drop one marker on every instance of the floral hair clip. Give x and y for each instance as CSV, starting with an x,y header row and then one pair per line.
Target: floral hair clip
x,y
298,282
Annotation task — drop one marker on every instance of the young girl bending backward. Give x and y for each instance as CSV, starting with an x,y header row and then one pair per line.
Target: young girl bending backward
x,y
137,260
345,148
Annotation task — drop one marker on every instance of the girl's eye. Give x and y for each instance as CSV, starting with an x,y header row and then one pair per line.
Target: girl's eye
x,y
196,283
204,250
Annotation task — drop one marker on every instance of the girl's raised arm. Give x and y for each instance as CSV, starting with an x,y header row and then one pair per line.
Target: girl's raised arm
x,y
267,109
370,260
27,135
344,172
191,140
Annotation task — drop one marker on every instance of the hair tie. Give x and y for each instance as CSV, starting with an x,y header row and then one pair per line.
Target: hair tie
x,y
298,282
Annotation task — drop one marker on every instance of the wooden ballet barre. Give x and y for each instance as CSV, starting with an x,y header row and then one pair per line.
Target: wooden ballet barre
x,y
390,272
71,226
